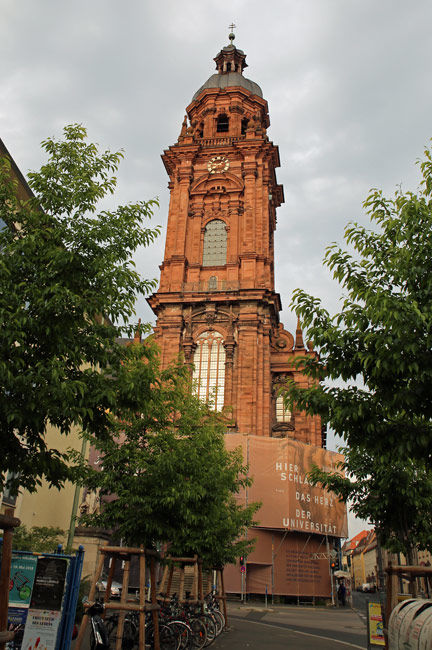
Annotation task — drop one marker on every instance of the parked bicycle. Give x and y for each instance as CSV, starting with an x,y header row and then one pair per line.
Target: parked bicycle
x,y
99,639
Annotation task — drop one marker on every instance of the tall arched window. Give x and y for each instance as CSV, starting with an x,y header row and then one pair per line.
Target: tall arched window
x,y
283,414
209,370
215,243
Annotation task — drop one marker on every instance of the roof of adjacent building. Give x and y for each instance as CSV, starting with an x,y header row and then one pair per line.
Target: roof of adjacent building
x,y
352,543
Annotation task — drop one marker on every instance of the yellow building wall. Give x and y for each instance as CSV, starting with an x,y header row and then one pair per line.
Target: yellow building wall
x,y
370,563
49,506
424,557
357,570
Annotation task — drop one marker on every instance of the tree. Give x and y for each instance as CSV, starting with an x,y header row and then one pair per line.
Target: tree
x,y
38,539
394,494
380,344
379,348
67,283
166,475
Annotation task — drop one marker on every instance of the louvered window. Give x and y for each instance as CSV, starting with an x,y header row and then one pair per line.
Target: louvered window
x,y
215,243
209,369
222,123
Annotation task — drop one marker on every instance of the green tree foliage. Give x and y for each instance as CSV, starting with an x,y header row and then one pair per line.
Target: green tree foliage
x,y
394,494
375,362
39,539
380,344
173,480
67,282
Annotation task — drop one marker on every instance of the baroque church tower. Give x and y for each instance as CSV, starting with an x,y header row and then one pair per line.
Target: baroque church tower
x,y
216,303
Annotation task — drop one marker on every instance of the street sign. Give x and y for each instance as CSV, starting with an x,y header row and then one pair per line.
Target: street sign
x,y
243,569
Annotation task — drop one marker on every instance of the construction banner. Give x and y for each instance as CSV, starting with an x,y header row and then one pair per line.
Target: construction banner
x,y
279,469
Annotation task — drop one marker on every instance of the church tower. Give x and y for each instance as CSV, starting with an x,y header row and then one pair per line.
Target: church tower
x,y
216,303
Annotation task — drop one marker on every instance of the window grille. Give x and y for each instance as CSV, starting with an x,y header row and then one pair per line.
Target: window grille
x,y
215,243
209,369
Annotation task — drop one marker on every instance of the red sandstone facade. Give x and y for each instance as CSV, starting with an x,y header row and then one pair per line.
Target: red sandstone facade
x,y
222,170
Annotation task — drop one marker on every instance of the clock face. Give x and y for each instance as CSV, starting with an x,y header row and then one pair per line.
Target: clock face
x,y
218,164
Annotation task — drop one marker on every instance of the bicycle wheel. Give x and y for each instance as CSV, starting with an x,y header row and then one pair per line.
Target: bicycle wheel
x,y
199,634
182,631
219,619
130,632
167,638
210,624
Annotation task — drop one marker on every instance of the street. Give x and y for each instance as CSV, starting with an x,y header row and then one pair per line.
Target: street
x,y
280,627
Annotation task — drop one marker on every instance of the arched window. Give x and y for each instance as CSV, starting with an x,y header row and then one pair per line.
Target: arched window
x,y
212,283
222,125
215,243
209,369
283,414
283,418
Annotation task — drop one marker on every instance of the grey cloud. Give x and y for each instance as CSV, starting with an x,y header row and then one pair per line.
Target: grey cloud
x,y
347,85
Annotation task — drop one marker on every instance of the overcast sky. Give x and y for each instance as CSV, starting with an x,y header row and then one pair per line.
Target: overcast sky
x,y
349,97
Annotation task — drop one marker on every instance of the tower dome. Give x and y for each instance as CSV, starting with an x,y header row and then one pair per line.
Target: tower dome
x,y
230,63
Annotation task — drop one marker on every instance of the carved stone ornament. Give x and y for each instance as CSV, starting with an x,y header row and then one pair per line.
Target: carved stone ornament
x,y
281,429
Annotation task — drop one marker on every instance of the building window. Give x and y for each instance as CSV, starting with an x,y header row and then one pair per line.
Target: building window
x,y
283,414
244,125
215,243
10,495
283,418
222,125
212,283
209,369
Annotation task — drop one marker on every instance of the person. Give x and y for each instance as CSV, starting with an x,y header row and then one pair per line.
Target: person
x,y
342,594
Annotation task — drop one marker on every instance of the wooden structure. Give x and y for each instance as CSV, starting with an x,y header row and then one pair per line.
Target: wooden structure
x,y
185,574
124,554
393,574
7,523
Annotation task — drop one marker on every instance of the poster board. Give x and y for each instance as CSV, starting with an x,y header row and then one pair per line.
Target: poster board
x,y
375,624
36,593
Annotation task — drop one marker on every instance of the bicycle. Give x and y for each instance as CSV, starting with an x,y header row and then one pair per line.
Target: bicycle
x,y
99,639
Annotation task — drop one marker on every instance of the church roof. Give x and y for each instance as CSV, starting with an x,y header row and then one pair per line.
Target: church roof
x,y
230,63
229,79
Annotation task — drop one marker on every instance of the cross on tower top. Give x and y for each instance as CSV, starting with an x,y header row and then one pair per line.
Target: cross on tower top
x,y
231,35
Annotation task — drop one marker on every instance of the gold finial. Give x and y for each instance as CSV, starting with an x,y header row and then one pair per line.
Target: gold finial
x,y
231,35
